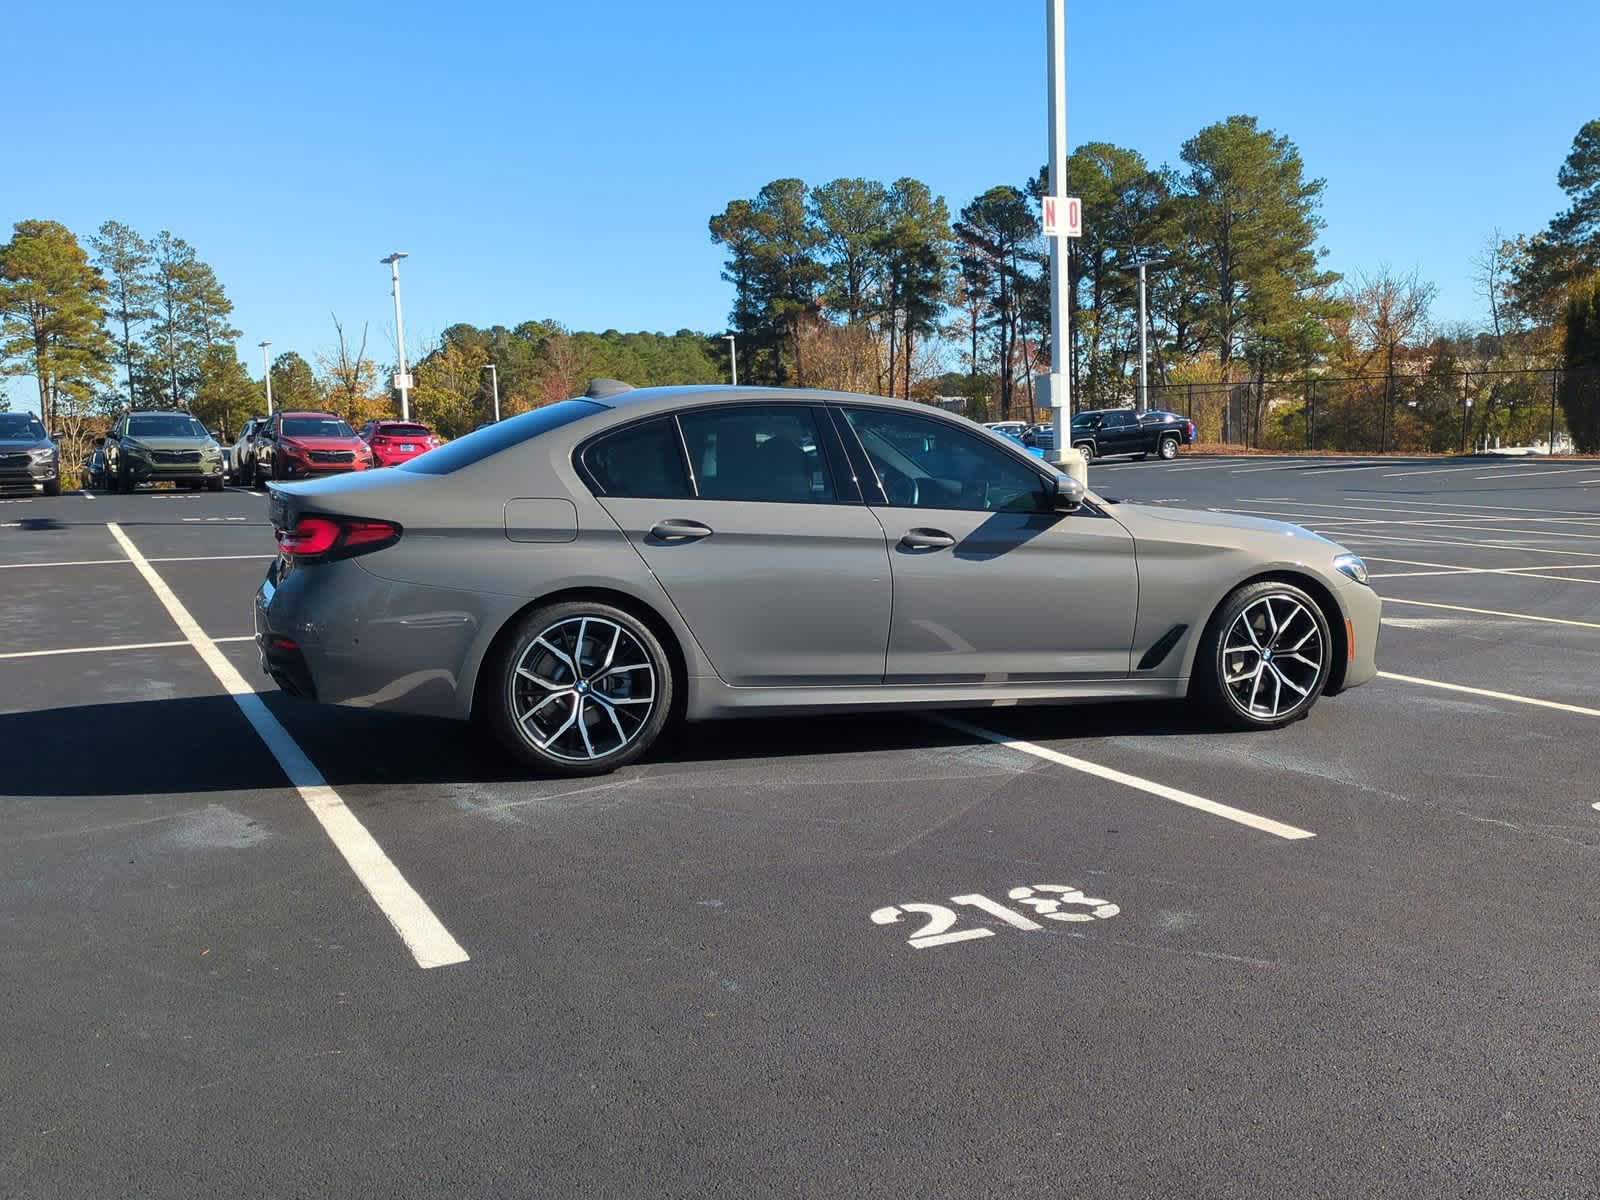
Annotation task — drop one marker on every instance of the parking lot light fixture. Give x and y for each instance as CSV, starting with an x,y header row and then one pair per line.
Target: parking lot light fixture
x,y
401,379
733,357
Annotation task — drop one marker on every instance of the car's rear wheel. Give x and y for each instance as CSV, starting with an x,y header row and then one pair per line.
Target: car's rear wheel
x,y
1086,449
1169,447
581,688
1265,657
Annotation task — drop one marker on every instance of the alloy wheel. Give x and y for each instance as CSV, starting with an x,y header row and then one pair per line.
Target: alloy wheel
x,y
583,689
1273,656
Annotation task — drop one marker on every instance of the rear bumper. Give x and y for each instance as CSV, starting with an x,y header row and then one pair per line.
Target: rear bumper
x,y
393,458
358,640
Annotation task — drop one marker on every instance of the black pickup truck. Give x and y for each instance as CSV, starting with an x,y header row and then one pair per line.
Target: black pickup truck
x,y
1100,433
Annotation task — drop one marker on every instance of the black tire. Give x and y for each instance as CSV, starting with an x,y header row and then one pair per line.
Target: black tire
x,y
591,712
215,485
1222,657
1087,449
1168,448
124,484
245,476
53,487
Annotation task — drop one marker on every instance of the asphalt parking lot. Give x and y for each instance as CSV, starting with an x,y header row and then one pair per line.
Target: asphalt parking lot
x,y
1352,957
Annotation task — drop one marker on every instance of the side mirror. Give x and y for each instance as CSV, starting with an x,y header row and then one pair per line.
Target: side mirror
x,y
1068,495
55,437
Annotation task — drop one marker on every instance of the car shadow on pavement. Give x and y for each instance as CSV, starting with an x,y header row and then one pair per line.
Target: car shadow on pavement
x,y
204,744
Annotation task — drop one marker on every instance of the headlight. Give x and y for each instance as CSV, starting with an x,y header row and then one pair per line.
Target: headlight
x,y
42,455
1351,565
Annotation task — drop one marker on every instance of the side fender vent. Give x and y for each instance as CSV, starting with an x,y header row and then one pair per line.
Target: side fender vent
x,y
1163,647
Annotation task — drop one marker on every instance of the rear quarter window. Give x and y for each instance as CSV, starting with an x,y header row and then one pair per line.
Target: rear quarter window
x,y
483,443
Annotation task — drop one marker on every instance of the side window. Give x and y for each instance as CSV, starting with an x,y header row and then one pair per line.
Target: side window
x,y
1118,420
757,452
643,460
932,464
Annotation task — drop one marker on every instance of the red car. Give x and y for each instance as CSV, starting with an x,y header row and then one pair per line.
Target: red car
x,y
301,445
395,442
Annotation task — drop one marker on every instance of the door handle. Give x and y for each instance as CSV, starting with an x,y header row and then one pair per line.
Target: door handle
x,y
675,530
926,539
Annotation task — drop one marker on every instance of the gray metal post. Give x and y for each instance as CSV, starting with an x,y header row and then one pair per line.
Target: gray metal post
x,y
266,373
1144,354
494,377
1554,386
1062,454
733,356
399,332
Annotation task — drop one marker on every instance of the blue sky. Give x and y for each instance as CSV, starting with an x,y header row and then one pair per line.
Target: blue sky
x,y
541,159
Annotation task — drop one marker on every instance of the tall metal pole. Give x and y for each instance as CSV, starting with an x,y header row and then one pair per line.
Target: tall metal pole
x,y
266,373
399,333
1062,454
494,377
733,356
1144,354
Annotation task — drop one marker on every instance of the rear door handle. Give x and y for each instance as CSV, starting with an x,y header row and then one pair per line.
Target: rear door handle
x,y
926,539
679,531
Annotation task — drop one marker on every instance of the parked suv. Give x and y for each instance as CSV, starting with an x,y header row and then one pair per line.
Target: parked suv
x,y
1100,433
395,442
152,447
28,456
301,445
244,451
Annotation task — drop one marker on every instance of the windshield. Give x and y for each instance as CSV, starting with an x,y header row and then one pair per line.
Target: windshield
x,y
481,443
416,431
328,427
21,426
162,425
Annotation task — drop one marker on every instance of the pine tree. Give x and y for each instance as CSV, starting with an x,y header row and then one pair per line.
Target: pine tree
x,y
123,258
50,314
1580,382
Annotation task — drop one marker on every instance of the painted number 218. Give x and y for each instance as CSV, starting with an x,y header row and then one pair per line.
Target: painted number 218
x,y
1052,901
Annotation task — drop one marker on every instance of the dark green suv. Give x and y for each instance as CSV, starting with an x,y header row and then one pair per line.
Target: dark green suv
x,y
153,447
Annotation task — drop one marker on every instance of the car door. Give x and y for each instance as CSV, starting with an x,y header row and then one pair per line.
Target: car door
x,y
749,517
990,585
1119,433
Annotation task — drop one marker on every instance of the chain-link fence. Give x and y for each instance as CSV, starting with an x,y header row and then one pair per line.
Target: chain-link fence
x,y
1440,412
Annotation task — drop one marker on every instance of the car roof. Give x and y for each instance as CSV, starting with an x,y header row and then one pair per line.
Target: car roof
x,y
159,412
663,399
308,413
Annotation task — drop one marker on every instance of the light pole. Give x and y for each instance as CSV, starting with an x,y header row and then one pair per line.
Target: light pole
x,y
1058,389
266,373
494,376
401,379
733,357
1143,401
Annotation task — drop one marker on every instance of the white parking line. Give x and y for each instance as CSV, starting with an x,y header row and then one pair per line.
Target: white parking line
x,y
423,933
86,494
1515,699
113,649
122,562
1431,471
1188,799
1541,471
1492,612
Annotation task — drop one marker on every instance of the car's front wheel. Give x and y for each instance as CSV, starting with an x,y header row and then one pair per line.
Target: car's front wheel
x,y
1265,657
581,688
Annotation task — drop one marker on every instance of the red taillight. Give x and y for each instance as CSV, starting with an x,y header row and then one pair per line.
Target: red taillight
x,y
310,536
336,537
379,440
366,533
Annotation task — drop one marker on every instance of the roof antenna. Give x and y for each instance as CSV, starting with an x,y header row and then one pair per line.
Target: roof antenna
x,y
602,389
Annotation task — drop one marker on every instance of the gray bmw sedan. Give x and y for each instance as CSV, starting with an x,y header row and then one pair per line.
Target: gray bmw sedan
x,y
578,575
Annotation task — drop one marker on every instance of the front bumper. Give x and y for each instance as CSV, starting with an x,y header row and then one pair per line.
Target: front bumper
x,y
144,470
35,475
1363,609
294,468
